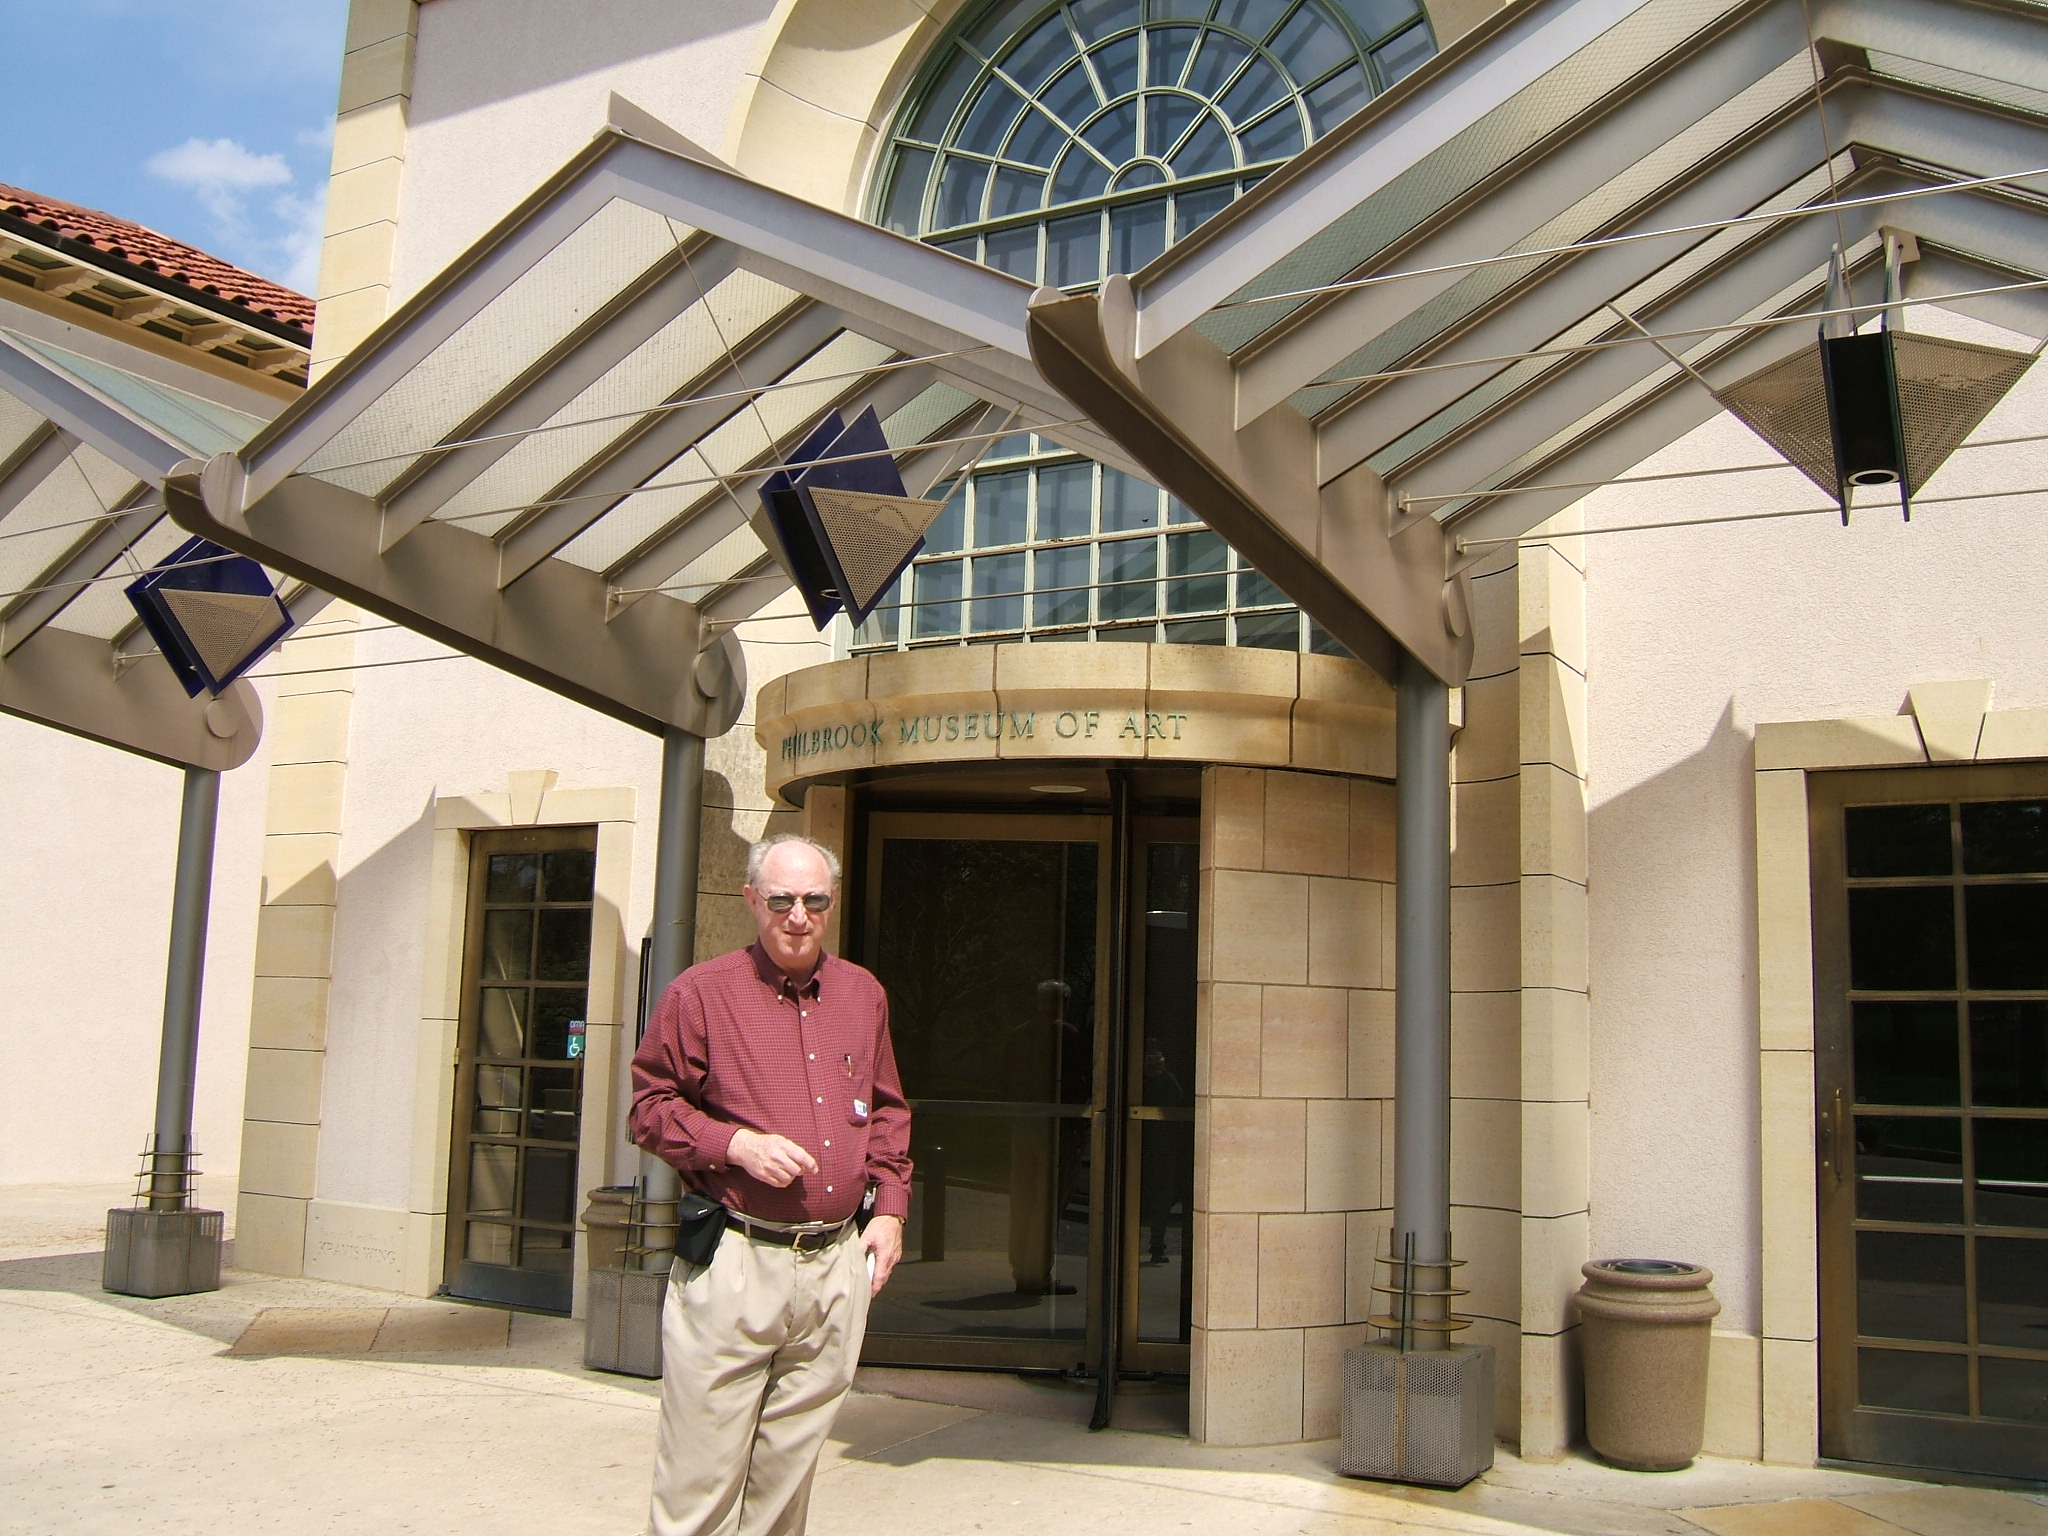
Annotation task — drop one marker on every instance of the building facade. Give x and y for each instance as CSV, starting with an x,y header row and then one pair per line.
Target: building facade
x,y
1118,819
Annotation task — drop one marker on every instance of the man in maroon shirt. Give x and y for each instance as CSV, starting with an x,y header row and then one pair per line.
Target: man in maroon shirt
x,y
767,1078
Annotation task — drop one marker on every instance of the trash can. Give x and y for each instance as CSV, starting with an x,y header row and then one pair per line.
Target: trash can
x,y
605,1220
1644,1334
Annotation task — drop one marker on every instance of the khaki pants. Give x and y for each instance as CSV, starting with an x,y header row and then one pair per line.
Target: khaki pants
x,y
758,1349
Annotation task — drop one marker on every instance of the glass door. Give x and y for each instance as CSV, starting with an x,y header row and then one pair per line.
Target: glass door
x,y
1157,1243
1931,955
519,1068
990,933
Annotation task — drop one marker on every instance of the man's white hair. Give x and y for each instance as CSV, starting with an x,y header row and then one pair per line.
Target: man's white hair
x,y
757,855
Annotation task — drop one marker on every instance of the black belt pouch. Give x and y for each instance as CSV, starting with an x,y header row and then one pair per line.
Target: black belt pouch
x,y
700,1223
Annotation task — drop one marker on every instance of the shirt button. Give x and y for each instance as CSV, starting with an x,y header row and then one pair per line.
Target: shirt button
x,y
828,1143
828,1189
821,1101
812,1057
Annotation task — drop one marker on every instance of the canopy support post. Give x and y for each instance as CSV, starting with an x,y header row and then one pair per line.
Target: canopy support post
x,y
622,1323
1418,1408
164,1246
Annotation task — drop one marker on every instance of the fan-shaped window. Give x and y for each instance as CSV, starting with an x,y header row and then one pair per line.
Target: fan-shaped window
x,y
1060,142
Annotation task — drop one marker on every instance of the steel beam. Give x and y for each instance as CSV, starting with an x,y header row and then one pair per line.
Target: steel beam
x,y
178,1059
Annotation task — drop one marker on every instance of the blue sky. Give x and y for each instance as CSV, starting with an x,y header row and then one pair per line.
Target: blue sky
x,y
207,119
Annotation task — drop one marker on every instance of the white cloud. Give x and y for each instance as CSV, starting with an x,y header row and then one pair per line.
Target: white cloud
x,y
299,245
221,174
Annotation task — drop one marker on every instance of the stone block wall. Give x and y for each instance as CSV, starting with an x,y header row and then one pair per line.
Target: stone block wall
x,y
1294,1083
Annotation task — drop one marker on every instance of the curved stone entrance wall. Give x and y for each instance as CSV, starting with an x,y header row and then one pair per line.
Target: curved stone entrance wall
x,y
1179,703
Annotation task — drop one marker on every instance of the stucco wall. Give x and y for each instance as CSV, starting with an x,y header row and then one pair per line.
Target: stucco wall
x,y
505,91
1695,636
88,843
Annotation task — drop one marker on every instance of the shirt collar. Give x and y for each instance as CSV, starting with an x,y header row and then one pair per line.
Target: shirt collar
x,y
777,981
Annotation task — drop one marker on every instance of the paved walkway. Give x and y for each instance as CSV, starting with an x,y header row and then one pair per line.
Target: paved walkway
x,y
289,1406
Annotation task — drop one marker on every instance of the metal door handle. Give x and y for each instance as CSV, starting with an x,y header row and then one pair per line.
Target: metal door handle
x,y
1832,1158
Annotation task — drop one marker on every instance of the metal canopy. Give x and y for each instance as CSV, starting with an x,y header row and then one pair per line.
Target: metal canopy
x,y
89,427
1336,436
551,457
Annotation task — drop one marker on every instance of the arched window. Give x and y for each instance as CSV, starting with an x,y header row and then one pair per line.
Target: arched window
x,y
1059,142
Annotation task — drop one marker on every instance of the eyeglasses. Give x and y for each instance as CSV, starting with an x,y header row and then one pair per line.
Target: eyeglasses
x,y
814,903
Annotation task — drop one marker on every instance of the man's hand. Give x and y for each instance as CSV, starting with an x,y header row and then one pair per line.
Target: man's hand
x,y
775,1160
884,1243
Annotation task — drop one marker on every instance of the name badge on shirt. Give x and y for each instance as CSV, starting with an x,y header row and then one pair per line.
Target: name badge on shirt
x,y
860,1109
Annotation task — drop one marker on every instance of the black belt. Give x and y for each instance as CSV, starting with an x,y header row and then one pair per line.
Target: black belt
x,y
802,1239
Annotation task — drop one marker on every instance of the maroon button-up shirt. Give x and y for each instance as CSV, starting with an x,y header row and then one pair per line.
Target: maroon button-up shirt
x,y
734,1042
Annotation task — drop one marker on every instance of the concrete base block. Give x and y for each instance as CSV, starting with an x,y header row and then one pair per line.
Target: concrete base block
x,y
623,1329
162,1253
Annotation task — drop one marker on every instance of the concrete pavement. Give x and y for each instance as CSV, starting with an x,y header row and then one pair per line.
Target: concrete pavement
x,y
287,1406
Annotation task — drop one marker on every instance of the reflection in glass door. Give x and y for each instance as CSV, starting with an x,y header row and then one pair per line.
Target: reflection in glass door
x,y
1931,901
987,932
519,1068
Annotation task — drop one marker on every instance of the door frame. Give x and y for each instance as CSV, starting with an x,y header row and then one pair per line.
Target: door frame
x,y
480,846
1849,1432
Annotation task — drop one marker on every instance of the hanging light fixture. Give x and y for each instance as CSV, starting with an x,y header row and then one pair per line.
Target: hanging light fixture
x,y
214,614
838,519
1885,407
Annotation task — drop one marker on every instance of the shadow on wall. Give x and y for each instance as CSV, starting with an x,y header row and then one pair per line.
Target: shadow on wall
x,y
1674,1031
728,830
537,50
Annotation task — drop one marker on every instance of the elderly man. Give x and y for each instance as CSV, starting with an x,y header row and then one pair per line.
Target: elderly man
x,y
767,1078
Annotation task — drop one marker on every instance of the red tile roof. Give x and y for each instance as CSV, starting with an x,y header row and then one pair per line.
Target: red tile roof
x,y
145,252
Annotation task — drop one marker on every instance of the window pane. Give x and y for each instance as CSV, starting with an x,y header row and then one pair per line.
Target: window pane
x,y
2012,1174
501,1022
2009,1053
904,211
998,593
1015,251
1127,502
1254,591
2012,1291
1883,841
1376,18
553,1009
567,874
511,877
2005,837
508,945
1179,512
564,945
2007,929
948,531
1116,65
1166,119
1906,1053
1909,1285
553,1113
989,120
1000,506
1196,555
1099,18
935,615
1133,563
1168,50
1256,17
1191,210
497,1100
960,187
1061,569
1066,501
1902,940
937,110
487,1243
1207,150
884,624
550,1192
1215,64
1270,631
544,1250
1916,1381
1032,61
2013,1389
1404,55
1258,88
1274,137
1037,141
1310,45
1115,133
1338,97
1195,632
1136,235
1072,253
493,1175
1909,1168
1071,98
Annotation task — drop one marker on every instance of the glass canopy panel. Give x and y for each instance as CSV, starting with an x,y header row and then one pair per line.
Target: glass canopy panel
x,y
59,514
927,415
18,423
614,250
2000,92
1594,214
748,439
102,610
690,345
200,425
728,558
1476,152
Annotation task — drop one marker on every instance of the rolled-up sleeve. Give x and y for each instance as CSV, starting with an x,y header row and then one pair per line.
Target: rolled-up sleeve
x,y
668,1085
888,1148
